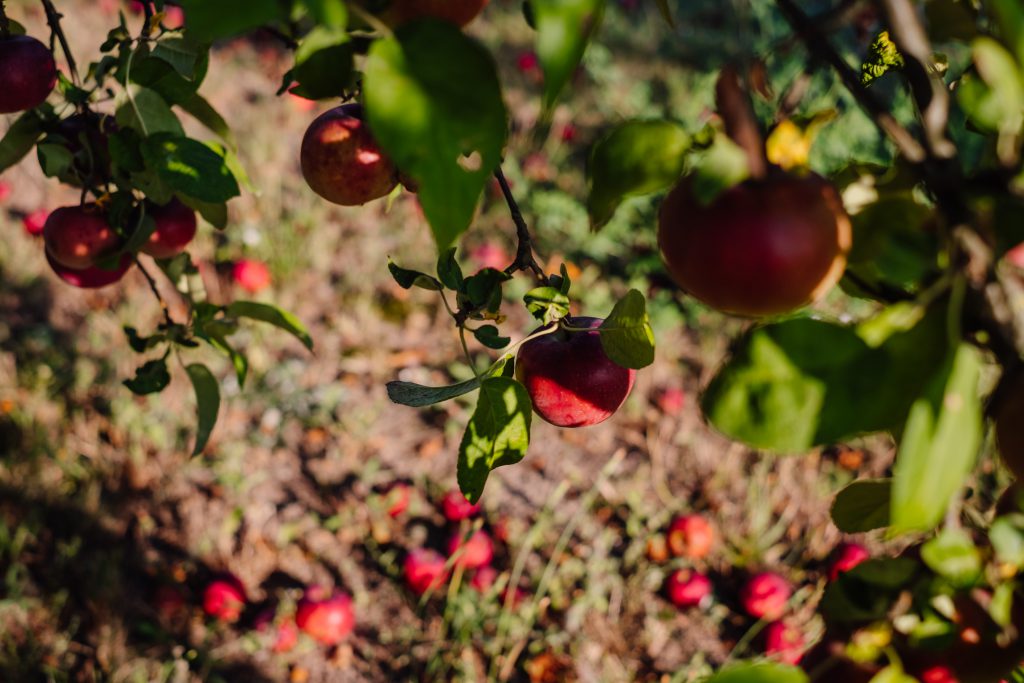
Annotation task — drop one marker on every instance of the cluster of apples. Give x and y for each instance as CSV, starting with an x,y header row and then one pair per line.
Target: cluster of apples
x,y
764,596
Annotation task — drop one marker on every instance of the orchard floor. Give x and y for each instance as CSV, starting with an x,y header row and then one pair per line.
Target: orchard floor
x,y
103,513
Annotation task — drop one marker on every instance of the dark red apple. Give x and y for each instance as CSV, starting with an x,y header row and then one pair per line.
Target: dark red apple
x,y
27,73
456,508
175,228
327,618
762,247
341,161
847,556
224,599
766,596
687,588
570,379
424,570
690,536
784,642
79,236
474,553
459,12
92,277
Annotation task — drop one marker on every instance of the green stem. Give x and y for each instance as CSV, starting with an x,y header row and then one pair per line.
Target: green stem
x,y
465,350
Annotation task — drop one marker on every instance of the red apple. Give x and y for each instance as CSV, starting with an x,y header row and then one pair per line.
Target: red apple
x,y
92,277
175,228
5,190
287,636
27,73
483,579
784,642
252,276
570,379
670,400
397,499
456,508
476,552
847,556
459,12
527,62
341,161
79,236
687,588
35,222
766,596
328,618
938,674
763,247
224,599
690,536
424,570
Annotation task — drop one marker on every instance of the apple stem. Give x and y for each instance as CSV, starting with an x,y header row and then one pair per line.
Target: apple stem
x,y
525,259
734,107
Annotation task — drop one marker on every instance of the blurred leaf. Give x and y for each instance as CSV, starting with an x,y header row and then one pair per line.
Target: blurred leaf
x,y
953,556
882,57
208,21
893,243
323,64
893,674
181,53
203,112
54,159
637,157
151,378
483,289
489,336
996,101
448,270
140,234
759,672
332,13
718,168
272,315
546,304
862,506
238,361
940,443
949,20
190,167
160,77
498,433
207,403
626,334
666,12
412,278
564,28
19,139
1009,19
902,316
865,592
142,344
434,104
148,113
1007,536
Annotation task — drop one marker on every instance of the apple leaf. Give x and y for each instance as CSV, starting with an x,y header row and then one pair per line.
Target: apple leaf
x,y
323,64
953,556
182,53
238,361
203,112
498,433
434,104
489,336
407,278
940,443
207,402
1009,19
151,378
215,213
190,167
626,334
564,28
994,97
636,158
1007,536
547,304
19,139
666,12
331,13
419,396
759,672
449,271
718,168
862,506
272,315
145,111
208,21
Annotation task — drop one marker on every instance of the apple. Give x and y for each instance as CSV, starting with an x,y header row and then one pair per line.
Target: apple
x,y
397,499
175,228
570,379
35,222
490,255
27,73
327,618
341,161
473,553
459,12
938,674
1015,256
690,536
86,136
527,62
252,276
766,596
424,570
483,578
456,508
670,400
224,599
287,636
1009,417
763,247
5,190
79,236
847,556
92,277
688,588
784,642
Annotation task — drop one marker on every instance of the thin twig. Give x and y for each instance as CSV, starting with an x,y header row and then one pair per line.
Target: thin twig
x,y
156,292
525,259
53,18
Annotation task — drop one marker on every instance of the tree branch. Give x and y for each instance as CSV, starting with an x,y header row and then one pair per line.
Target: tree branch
x,y
524,259
156,292
53,18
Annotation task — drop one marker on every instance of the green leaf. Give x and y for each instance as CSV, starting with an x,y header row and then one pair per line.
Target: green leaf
x,y
160,77
489,336
564,28
142,344
203,112
151,378
54,159
996,101
718,168
434,104
636,158
238,360
483,289
893,674
759,672
862,506
19,139
547,304
1009,19
215,213
331,13
449,271
626,334
1007,536
412,278
940,443
272,315
882,57
323,64
498,433
182,53
666,13
207,403
208,21
419,396
953,556
147,112
892,244
190,167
